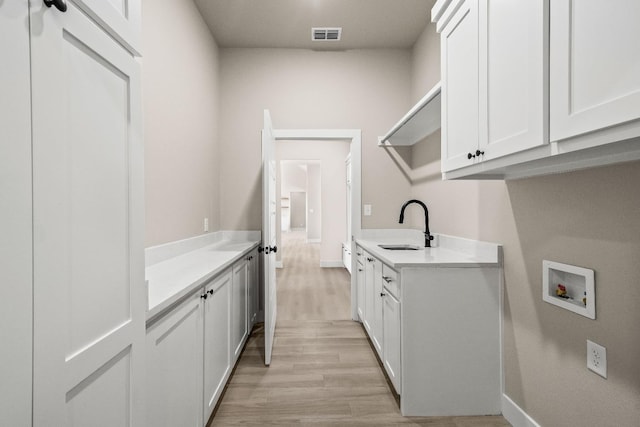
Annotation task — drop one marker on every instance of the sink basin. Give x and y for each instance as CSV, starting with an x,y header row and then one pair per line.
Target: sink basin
x,y
401,247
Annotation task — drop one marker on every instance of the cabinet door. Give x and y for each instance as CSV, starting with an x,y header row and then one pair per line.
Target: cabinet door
x,y
217,342
377,327
89,293
360,289
122,19
239,328
16,225
391,351
595,74
459,64
513,69
252,288
174,368
369,274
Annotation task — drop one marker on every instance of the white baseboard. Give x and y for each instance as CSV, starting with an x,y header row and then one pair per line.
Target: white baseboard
x,y
279,264
515,415
331,264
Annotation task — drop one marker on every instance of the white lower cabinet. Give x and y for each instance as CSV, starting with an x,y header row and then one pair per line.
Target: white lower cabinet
x,y
253,270
217,344
437,333
192,349
360,289
369,298
391,343
239,321
174,367
377,328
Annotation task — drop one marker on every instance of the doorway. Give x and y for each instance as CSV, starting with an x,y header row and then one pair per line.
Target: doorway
x,y
352,138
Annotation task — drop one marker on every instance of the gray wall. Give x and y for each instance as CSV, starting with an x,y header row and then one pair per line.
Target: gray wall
x,y
588,218
180,90
303,89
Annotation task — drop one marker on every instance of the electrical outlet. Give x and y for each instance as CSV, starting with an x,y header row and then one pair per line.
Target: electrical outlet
x,y
597,358
206,224
367,210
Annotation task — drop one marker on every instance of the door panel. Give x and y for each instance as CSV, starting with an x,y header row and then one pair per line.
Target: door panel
x,y
89,300
174,368
217,348
595,75
459,50
122,18
269,234
513,76
16,225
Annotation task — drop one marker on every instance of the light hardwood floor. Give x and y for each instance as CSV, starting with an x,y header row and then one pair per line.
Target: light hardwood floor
x,y
323,370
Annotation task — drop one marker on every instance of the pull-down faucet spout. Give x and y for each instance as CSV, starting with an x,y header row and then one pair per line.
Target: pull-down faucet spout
x,y
427,234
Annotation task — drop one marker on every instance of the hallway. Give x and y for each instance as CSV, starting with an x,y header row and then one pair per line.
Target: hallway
x,y
306,291
323,370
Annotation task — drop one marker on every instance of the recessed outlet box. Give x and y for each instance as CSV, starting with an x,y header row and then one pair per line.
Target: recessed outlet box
x,y
569,287
597,358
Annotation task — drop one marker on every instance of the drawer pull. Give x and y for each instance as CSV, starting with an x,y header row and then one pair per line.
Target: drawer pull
x,y
387,279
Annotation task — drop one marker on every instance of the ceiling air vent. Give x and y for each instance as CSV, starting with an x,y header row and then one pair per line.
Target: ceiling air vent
x,y
326,34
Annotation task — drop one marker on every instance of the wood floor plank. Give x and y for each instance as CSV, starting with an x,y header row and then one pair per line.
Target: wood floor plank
x,y
323,370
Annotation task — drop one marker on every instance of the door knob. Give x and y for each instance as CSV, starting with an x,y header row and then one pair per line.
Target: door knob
x,y
274,249
61,5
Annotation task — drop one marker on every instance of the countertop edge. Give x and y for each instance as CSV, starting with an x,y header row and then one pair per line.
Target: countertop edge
x,y
155,313
371,246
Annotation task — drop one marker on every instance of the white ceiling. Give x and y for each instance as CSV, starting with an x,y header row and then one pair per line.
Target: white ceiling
x,y
287,23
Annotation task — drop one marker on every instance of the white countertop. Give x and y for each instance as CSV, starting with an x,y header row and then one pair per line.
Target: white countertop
x,y
449,252
172,279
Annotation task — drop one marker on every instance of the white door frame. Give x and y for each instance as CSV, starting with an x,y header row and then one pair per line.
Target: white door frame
x,y
354,136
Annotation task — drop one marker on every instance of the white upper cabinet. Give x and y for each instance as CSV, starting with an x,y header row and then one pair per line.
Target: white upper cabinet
x,y
459,62
513,76
494,74
120,18
595,65
558,86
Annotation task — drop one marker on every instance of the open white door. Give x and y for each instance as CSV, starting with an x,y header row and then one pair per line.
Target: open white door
x,y
269,234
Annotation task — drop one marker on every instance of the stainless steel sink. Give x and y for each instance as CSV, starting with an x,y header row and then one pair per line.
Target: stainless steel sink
x,y
401,247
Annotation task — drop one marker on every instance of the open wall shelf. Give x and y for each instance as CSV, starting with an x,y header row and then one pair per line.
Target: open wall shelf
x,y
421,121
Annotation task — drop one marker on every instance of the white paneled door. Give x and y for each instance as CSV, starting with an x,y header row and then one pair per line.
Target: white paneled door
x,y
89,293
269,234
595,74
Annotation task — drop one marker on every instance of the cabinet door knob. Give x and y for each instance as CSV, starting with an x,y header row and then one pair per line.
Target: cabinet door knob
x,y
210,291
386,279
274,249
204,296
478,153
359,269
61,5
470,156
382,294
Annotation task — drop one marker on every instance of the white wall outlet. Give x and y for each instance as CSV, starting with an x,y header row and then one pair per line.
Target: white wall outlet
x,y
206,224
367,210
597,358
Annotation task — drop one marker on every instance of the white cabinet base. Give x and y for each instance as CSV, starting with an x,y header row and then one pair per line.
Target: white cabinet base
x,y
451,361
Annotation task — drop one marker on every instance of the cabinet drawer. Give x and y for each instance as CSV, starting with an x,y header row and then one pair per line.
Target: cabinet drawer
x,y
391,280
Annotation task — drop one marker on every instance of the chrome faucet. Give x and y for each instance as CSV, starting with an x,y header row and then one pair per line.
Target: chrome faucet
x,y
427,235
